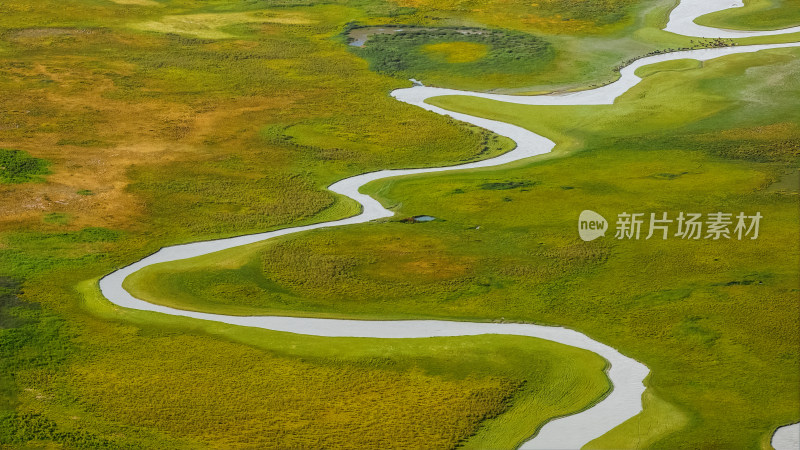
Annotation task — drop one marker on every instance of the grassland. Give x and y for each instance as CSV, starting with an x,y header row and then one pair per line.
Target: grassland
x,y
757,15
138,124
167,122
714,320
589,40
148,381
223,118
548,16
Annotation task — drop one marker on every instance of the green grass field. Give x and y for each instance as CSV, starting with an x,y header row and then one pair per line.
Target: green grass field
x,y
146,380
129,125
142,124
757,15
719,149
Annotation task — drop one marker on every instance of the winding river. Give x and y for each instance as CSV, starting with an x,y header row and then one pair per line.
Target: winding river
x,y
626,374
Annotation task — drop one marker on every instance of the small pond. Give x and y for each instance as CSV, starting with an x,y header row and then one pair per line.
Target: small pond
x,y
423,218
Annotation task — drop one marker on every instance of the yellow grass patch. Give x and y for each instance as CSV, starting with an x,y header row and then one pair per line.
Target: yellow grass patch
x,y
547,16
208,25
456,52
137,2
425,261
556,24
281,402
89,180
766,132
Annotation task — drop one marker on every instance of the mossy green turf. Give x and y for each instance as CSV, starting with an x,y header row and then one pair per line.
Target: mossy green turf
x,y
716,321
17,166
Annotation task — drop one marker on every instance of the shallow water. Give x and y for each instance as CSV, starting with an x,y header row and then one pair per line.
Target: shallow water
x,y
424,218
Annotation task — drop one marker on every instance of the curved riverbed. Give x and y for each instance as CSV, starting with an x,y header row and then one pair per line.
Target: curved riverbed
x,y
625,373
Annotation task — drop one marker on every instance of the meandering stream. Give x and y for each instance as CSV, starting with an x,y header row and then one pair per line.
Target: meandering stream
x,y
626,374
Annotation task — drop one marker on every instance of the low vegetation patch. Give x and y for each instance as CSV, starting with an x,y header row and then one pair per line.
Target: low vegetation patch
x,y
243,398
456,52
551,16
503,185
467,52
17,166
212,26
